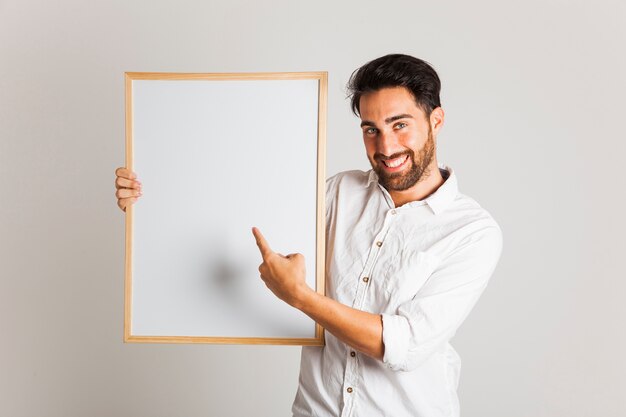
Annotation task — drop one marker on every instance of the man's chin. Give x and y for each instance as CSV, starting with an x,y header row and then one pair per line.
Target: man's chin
x,y
395,182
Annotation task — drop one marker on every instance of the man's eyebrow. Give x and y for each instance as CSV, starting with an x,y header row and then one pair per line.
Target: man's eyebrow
x,y
388,120
398,117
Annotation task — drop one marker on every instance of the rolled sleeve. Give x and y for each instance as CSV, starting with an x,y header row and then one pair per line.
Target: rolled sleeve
x,y
396,338
422,325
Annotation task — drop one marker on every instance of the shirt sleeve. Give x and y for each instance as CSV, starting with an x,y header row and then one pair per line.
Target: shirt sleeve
x,y
423,324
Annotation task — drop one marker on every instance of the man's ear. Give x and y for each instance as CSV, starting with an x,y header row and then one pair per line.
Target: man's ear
x,y
436,119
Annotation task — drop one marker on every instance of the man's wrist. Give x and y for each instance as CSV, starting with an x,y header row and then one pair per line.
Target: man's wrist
x,y
303,297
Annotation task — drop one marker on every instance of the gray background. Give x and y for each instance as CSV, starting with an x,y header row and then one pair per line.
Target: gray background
x,y
534,93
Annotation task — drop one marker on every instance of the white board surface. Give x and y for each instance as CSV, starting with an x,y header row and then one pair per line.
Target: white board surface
x,y
215,158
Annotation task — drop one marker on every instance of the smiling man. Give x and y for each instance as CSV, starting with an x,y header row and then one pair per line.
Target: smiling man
x,y
408,256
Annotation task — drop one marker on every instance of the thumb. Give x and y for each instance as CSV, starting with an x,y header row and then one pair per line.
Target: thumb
x,y
295,256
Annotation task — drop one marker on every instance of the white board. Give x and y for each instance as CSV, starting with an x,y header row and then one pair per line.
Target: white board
x,y
218,154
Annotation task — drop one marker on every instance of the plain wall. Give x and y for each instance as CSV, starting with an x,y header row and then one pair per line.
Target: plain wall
x,y
534,99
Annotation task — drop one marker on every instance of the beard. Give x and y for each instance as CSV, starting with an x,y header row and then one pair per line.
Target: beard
x,y
400,181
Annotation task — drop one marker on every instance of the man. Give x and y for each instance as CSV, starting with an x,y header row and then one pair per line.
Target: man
x,y
407,258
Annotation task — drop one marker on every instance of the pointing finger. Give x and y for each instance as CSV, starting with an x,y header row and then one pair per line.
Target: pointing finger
x,y
264,247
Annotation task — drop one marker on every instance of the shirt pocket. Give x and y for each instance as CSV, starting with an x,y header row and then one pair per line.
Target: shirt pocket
x,y
410,271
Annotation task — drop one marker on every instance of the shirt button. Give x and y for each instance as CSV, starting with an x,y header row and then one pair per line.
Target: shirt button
x,y
379,244
393,212
352,354
366,279
349,390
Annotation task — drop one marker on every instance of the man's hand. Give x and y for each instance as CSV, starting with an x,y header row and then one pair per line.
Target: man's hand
x,y
128,188
283,275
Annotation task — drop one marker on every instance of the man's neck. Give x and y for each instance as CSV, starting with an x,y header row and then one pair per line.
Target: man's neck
x,y
428,184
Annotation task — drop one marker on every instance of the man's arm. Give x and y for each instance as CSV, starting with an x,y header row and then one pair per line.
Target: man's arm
x,y
420,325
285,277
359,329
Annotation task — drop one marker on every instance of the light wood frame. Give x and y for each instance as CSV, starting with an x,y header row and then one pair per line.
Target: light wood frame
x,y
322,78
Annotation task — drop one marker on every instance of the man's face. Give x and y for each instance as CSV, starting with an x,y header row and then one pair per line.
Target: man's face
x,y
398,137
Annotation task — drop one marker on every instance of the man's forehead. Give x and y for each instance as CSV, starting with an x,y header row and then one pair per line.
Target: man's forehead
x,y
387,103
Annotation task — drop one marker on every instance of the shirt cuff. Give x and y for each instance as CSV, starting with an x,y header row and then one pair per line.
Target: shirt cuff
x,y
396,338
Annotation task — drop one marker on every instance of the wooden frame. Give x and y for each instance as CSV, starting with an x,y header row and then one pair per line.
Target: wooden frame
x,y
131,283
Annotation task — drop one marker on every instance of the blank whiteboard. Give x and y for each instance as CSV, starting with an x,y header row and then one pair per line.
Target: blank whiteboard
x,y
218,154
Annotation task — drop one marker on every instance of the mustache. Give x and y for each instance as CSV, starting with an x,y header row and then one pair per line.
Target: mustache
x,y
382,157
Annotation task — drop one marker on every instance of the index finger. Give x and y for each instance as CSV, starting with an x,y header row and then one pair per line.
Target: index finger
x,y
125,173
264,247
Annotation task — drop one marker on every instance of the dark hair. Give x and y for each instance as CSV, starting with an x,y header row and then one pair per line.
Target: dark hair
x,y
397,70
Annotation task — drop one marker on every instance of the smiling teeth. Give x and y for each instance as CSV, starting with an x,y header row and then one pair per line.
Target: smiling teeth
x,y
393,163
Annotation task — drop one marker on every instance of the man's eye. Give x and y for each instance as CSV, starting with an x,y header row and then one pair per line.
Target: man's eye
x,y
400,125
370,130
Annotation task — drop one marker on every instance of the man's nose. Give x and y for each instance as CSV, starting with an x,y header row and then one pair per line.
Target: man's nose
x,y
387,143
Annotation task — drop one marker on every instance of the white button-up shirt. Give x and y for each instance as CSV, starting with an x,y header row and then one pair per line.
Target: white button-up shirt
x,y
422,267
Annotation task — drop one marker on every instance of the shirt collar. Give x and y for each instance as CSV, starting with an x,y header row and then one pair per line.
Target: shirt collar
x,y
441,198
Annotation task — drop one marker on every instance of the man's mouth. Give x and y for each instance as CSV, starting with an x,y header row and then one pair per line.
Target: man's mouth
x,y
395,162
